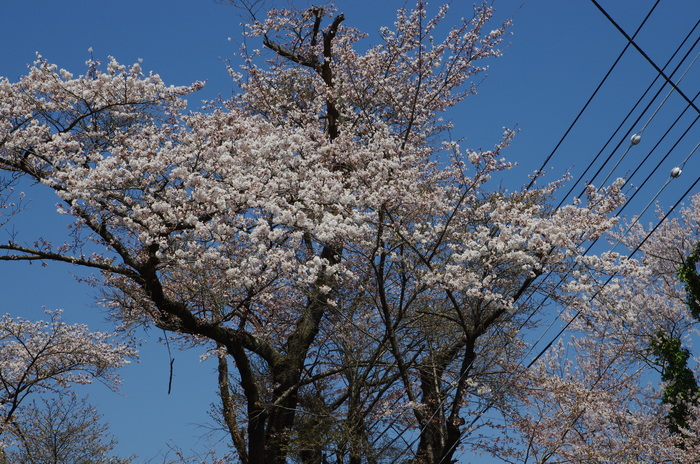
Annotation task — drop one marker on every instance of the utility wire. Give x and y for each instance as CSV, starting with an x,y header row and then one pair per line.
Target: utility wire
x,y
590,165
568,324
668,153
630,112
575,316
632,175
678,48
552,153
630,40
646,124
638,167
637,137
590,246
674,173
532,362
595,92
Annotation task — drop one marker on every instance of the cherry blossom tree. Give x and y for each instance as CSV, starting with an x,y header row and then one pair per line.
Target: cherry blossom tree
x,y
48,357
363,286
62,430
593,397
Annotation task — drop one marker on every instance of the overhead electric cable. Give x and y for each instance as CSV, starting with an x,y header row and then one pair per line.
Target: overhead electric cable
x,y
631,144
679,167
639,118
575,316
618,213
637,136
646,124
658,165
677,50
630,40
675,172
549,157
590,99
651,85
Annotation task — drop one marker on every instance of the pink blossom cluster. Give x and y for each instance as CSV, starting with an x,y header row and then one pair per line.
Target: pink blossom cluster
x,y
358,269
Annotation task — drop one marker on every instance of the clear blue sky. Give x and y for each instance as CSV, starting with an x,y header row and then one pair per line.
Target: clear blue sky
x,y
559,51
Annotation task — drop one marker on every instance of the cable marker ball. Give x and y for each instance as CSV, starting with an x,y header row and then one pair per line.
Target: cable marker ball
x,y
635,139
676,172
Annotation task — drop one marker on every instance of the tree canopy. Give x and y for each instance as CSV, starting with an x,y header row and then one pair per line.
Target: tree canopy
x,y
365,285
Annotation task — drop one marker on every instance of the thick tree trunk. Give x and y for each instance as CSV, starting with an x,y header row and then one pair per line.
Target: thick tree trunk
x,y
441,434
229,412
434,435
282,414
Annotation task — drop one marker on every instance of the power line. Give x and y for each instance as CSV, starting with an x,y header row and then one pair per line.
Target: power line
x,y
634,44
590,99
632,144
575,316
690,104
668,153
633,173
634,107
590,246
674,174
637,136
566,326
548,159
